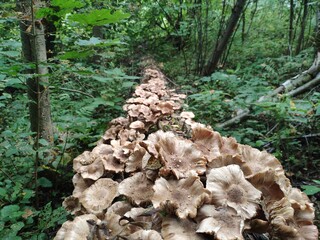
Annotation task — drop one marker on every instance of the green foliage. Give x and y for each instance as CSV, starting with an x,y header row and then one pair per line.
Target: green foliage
x,y
98,17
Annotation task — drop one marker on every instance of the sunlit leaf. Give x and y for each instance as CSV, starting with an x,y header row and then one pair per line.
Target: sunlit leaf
x,y
99,17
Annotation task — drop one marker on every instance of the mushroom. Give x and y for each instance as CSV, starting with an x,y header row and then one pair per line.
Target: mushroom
x,y
179,229
110,163
257,161
182,196
89,165
78,229
145,235
228,187
138,189
72,205
179,156
99,196
138,159
222,222
80,185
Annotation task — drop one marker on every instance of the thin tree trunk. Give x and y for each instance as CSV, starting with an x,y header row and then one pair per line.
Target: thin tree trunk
x,y
303,26
291,18
34,51
223,42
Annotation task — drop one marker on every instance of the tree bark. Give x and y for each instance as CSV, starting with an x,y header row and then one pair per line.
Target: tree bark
x,y
303,26
34,51
226,35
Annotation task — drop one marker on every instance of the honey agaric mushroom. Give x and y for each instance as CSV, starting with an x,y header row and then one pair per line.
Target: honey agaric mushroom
x,y
228,187
99,196
78,229
257,161
138,189
222,222
72,205
179,156
145,235
80,185
138,159
183,196
179,229
93,171
209,142
256,199
137,125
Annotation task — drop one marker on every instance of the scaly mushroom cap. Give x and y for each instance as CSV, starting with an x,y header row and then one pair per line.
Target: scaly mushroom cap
x,y
99,196
137,125
182,196
209,142
83,159
257,161
72,205
145,235
80,185
119,208
222,222
267,182
110,163
138,189
138,159
179,229
93,171
78,229
228,187
179,157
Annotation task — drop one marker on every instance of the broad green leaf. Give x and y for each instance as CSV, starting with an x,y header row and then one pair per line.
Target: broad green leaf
x,y
44,182
128,84
102,79
16,227
10,53
318,110
310,190
91,41
99,17
43,142
76,55
3,192
8,211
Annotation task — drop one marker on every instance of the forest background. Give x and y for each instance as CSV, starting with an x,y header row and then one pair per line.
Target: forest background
x,y
66,68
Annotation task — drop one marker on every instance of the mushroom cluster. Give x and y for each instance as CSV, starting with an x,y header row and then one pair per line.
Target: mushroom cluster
x,y
157,174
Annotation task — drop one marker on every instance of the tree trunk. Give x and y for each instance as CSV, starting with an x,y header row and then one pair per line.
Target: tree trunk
x,y
291,26
226,35
34,51
303,26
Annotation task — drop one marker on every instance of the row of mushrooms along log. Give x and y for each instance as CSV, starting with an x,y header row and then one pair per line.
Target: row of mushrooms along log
x,y
140,182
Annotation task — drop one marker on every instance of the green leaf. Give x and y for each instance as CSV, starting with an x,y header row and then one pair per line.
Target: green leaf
x,y
128,84
3,192
91,41
76,55
43,142
318,110
10,53
8,211
99,17
44,182
310,190
16,227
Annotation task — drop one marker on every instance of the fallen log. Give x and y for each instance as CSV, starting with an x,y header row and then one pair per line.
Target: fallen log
x,y
158,175
292,87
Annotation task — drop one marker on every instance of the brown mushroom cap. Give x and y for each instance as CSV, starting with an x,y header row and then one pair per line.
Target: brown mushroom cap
x,y
137,188
182,196
72,205
145,235
138,159
229,187
77,229
179,156
222,222
257,161
80,185
99,196
179,229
